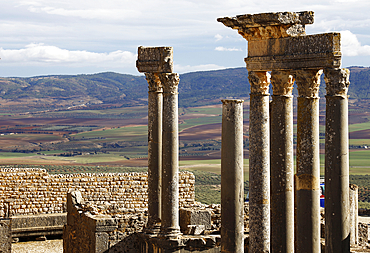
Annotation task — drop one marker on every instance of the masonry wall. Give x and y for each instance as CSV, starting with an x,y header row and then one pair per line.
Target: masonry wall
x,y
26,191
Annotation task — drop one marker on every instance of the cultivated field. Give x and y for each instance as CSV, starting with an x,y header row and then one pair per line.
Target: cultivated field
x,y
109,139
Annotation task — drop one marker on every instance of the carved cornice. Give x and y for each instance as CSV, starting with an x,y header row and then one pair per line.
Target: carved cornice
x,y
282,83
170,82
337,82
259,81
308,82
269,25
154,83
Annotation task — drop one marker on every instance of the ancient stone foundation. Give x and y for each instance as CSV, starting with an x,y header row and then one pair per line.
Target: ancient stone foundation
x,y
110,228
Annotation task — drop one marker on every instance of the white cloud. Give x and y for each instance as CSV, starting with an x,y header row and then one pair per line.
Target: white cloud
x,y
184,69
40,53
87,13
351,46
227,49
189,26
218,37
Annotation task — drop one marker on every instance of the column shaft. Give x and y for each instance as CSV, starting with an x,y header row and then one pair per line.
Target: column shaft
x,y
337,217
232,186
259,163
308,162
170,163
282,167
155,107
353,202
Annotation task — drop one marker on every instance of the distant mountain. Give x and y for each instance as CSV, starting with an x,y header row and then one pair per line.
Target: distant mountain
x,y
360,82
196,88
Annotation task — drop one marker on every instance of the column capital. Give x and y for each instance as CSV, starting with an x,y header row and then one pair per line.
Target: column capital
x,y
170,82
259,81
229,101
308,82
282,83
337,81
154,83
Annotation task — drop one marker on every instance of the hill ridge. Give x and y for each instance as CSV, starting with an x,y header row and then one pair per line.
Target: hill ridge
x,y
196,88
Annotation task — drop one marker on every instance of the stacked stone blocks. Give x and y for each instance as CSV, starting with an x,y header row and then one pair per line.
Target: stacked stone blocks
x,y
30,191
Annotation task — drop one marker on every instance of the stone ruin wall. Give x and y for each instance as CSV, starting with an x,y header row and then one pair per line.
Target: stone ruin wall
x,y
30,191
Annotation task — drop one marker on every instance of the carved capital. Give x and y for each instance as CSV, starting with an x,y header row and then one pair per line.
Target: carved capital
x,y
282,83
259,81
154,83
170,82
337,81
308,82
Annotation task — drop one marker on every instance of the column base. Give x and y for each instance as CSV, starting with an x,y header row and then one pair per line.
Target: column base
x,y
153,229
170,233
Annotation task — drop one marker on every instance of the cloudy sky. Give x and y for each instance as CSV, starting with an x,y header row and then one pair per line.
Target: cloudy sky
x,y
42,37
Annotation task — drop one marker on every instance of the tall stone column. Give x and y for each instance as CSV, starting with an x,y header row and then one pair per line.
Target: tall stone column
x,y
232,186
282,166
170,162
308,161
259,162
155,107
152,61
337,209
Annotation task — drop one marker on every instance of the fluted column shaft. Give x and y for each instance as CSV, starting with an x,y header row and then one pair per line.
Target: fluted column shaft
x,y
308,161
232,186
259,163
282,166
337,209
170,162
155,108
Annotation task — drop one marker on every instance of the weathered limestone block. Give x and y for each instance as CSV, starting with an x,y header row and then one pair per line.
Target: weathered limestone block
x,y
311,51
155,59
5,236
38,225
269,25
363,233
101,242
191,216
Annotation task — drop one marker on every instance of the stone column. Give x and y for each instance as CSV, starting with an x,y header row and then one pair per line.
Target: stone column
x,y
232,186
282,167
353,203
308,161
170,162
155,107
155,62
259,163
337,238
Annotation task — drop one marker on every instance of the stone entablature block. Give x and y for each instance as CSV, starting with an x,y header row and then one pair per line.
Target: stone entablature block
x,y
303,52
155,60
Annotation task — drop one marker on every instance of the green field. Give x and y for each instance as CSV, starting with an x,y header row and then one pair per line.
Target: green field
x,y
135,133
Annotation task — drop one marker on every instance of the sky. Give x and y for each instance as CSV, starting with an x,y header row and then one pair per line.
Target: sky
x,y
45,37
